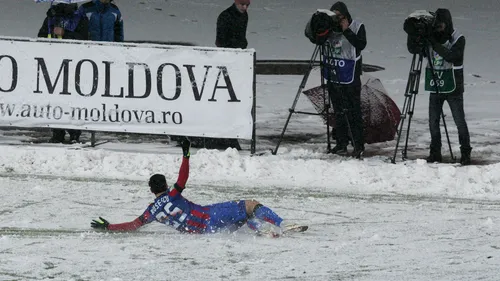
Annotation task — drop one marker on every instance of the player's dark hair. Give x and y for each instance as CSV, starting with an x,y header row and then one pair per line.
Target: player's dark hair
x,y
157,183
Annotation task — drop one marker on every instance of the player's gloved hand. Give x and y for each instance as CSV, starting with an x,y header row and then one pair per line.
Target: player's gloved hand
x,y
186,145
100,224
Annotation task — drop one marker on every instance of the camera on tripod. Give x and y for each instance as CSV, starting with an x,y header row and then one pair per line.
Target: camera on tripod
x,y
322,23
419,26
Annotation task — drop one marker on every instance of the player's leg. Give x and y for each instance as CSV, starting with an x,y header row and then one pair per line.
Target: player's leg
x,y
229,215
233,214
264,220
261,212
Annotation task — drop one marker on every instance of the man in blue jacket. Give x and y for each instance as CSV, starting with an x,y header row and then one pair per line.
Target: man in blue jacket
x,y
105,20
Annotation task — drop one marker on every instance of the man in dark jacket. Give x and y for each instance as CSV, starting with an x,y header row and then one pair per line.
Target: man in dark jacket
x,y
232,26
231,33
344,62
105,20
63,22
447,58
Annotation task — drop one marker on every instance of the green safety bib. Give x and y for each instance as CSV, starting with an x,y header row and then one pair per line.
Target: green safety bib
x,y
443,78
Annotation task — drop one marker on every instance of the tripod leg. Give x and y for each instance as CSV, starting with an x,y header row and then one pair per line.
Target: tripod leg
x,y
349,130
326,101
400,130
415,80
328,131
447,136
297,96
326,98
404,113
404,153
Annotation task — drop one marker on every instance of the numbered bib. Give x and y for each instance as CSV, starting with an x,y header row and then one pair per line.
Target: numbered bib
x,y
444,79
339,70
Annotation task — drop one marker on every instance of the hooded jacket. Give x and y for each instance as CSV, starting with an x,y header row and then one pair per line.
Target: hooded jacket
x,y
105,21
342,8
455,54
64,15
232,28
358,40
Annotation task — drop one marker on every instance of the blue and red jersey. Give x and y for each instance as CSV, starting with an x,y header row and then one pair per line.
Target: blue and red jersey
x,y
173,209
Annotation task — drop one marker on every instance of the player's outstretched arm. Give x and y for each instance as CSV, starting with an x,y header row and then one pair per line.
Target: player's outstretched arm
x,y
103,224
184,169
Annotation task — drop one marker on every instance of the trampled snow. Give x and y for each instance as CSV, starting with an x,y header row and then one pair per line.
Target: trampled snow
x,y
369,219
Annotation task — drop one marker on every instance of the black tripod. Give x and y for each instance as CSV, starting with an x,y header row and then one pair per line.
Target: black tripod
x,y
410,98
318,50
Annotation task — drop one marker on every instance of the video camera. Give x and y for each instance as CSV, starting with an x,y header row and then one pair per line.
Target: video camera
x,y
419,26
322,23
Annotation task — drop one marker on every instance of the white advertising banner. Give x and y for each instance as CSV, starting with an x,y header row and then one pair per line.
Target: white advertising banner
x,y
138,88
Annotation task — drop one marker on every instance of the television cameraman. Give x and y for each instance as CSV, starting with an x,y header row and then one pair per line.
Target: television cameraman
x,y
344,83
446,47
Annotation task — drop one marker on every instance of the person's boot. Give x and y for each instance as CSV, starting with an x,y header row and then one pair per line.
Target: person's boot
x,y
57,136
358,152
74,136
434,156
465,159
339,150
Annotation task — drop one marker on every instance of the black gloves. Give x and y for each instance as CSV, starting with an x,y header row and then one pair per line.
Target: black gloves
x,y
100,224
186,145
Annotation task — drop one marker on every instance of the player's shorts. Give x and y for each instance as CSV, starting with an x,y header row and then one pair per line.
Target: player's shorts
x,y
229,215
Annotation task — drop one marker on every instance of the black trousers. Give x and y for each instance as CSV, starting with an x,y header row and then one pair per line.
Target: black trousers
x,y
346,102
456,103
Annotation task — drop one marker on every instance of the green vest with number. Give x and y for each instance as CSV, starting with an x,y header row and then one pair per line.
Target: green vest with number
x,y
444,74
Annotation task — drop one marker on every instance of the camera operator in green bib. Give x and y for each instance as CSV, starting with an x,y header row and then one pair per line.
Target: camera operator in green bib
x,y
446,50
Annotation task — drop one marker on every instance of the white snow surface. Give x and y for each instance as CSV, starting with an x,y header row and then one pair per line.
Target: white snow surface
x,y
369,219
